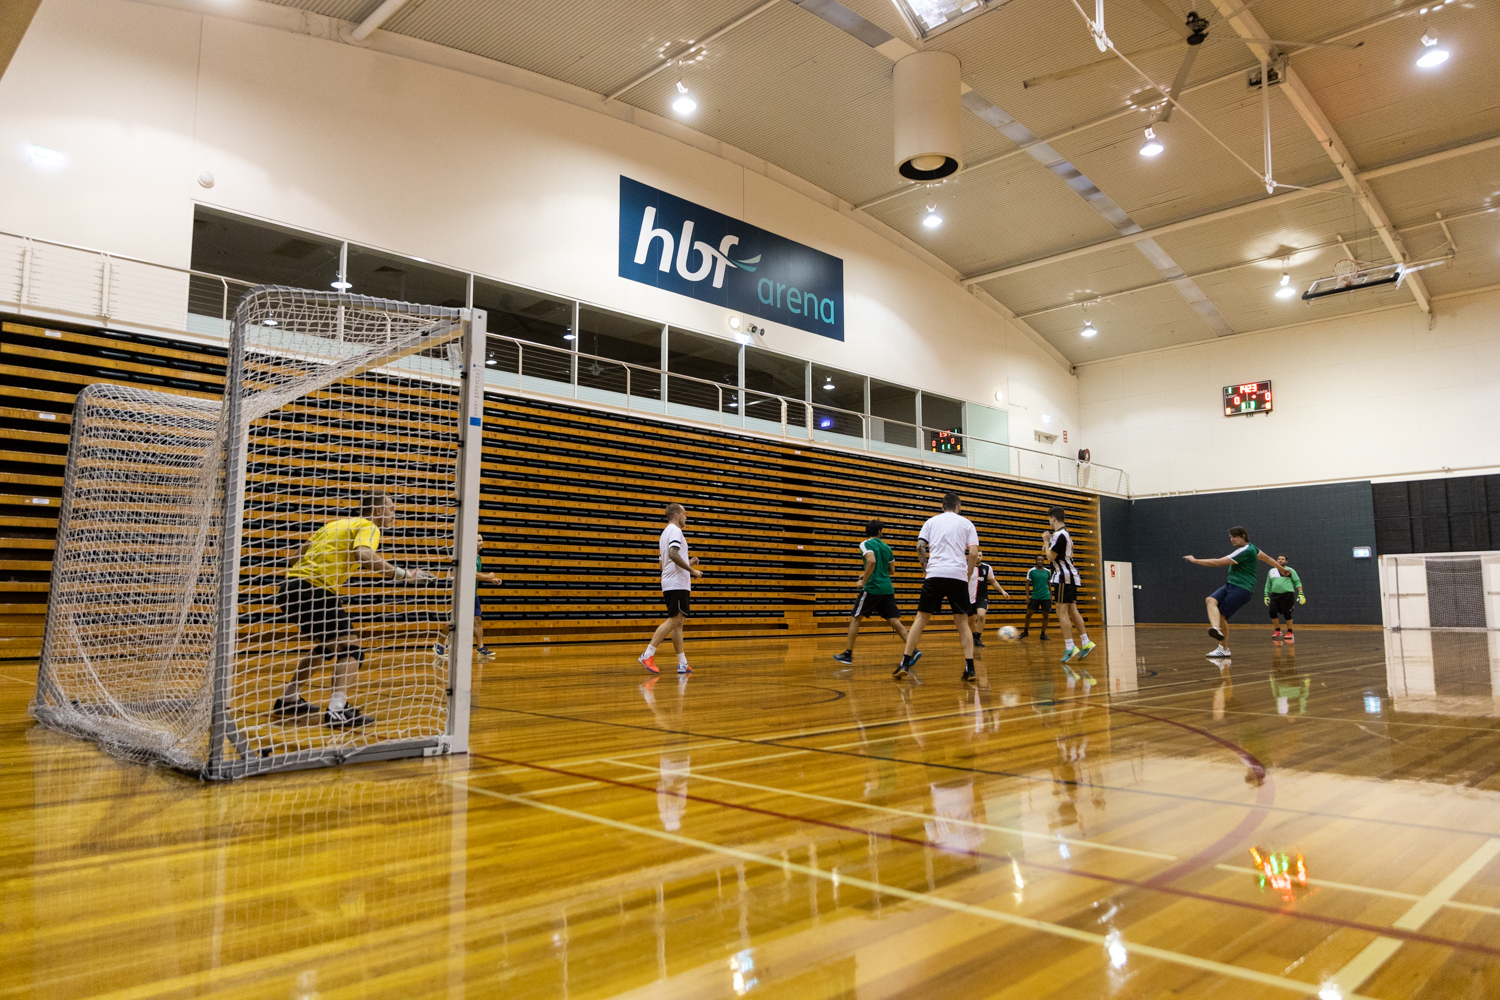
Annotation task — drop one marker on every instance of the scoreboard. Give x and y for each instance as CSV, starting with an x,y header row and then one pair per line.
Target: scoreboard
x,y
1247,398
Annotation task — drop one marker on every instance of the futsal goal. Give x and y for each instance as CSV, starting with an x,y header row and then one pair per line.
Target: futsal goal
x,y
181,516
1448,590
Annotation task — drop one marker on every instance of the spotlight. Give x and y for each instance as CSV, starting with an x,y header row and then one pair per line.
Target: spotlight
x,y
734,322
567,336
1152,147
932,220
828,383
1432,55
342,286
1089,330
684,104
1286,290
491,361
270,322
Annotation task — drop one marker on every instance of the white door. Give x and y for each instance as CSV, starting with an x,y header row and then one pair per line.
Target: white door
x,y
1119,595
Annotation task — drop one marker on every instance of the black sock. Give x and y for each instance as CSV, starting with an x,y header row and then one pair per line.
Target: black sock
x,y
906,659
969,665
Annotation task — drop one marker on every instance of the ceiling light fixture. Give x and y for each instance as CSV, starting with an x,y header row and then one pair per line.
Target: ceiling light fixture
x,y
1089,329
270,322
932,220
1286,289
684,104
734,322
567,336
44,158
1152,147
342,286
828,382
1432,54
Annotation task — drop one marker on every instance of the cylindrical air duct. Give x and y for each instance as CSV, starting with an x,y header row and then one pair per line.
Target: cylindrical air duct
x,y
928,92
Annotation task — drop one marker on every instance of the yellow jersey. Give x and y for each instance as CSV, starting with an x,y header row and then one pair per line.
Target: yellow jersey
x,y
329,558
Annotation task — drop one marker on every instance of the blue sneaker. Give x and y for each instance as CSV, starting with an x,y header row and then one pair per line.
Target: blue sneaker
x,y
1069,654
439,649
1087,648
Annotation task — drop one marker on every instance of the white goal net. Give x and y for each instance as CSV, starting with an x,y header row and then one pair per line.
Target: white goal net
x,y
1448,590
258,582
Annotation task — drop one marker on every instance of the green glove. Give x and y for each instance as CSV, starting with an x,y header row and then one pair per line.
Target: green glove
x,y
1301,598
1266,600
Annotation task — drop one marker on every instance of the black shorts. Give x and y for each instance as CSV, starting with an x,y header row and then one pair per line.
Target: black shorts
x,y
937,589
1283,605
677,602
316,610
880,605
1065,593
1042,604
981,603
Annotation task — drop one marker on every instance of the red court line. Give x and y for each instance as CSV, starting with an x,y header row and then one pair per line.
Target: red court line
x,y
1116,880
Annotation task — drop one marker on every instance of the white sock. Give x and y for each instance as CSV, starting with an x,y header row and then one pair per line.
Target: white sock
x,y
1084,639
682,659
1068,644
650,652
337,701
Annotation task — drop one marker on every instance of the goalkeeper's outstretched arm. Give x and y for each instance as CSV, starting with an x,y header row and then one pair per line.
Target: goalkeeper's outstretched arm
x,y
372,562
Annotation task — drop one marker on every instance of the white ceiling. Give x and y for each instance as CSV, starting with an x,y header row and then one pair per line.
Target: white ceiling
x,y
796,86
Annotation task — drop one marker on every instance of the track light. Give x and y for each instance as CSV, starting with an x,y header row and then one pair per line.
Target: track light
x,y
1285,291
1152,147
1089,330
1432,54
684,104
932,220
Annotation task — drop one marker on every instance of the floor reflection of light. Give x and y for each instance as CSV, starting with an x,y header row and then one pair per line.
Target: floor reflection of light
x,y
1062,849
742,965
1330,991
1116,948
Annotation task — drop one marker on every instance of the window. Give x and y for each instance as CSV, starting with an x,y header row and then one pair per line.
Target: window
x,y
370,272
524,315
768,375
837,398
622,338
943,424
256,253
898,405
703,360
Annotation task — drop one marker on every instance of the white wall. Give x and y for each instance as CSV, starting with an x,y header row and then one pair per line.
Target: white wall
x,y
465,171
1360,397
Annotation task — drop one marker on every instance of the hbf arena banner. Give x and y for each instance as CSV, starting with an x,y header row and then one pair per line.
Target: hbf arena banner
x,y
685,248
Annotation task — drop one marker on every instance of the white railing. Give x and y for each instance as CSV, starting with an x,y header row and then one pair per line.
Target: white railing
x,y
58,279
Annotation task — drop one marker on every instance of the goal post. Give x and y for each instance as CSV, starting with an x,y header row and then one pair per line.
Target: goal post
x,y
172,627
1440,590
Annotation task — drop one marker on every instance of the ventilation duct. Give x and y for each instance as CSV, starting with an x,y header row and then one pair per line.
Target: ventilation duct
x,y
927,86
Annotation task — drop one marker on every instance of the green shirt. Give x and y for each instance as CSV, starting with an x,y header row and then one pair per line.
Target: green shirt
x,y
880,577
1041,584
1242,572
1283,581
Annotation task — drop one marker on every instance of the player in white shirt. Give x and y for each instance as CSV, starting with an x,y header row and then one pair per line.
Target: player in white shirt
x,y
678,571
948,547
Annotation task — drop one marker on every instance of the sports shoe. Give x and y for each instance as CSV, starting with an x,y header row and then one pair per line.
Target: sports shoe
x,y
902,671
439,649
346,718
486,653
683,668
289,707
1289,637
1044,637
1219,651
1069,654
1217,634
1087,648
914,658
1024,633
649,662
969,674
978,642
846,657
1276,633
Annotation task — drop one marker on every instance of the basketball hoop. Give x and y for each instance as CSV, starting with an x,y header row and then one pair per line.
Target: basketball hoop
x,y
1344,272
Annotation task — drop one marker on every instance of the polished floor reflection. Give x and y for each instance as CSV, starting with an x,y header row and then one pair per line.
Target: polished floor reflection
x,y
1318,819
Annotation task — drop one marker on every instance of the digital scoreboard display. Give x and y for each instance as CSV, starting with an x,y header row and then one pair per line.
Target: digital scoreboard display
x,y
1249,397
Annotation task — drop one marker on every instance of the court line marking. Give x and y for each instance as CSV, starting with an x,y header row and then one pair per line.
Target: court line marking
x,y
929,899
1364,965
18,680
1157,855
1371,891
1155,884
1033,779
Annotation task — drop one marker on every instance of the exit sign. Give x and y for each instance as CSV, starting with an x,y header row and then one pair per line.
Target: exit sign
x,y
1246,398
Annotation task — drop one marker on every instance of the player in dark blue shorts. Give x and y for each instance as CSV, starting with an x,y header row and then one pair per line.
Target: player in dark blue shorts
x,y
1237,590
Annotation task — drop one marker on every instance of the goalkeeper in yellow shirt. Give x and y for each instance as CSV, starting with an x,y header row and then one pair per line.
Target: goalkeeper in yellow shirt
x,y
310,597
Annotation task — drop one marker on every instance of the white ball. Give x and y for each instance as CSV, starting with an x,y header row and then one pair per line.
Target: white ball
x,y
1008,633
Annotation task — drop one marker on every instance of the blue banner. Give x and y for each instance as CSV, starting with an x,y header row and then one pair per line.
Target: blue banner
x,y
688,249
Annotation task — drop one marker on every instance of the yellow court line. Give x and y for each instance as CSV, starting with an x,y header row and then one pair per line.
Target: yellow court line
x,y
929,899
18,680
917,815
1364,965
1371,891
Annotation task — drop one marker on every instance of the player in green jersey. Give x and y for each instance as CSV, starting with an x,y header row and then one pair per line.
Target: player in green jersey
x,y
1282,595
1039,590
1229,598
877,595
485,653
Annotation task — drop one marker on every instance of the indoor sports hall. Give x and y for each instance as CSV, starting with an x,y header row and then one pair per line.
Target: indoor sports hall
x,y
786,499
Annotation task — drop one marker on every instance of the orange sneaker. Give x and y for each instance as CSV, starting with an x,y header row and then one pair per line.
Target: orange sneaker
x,y
649,662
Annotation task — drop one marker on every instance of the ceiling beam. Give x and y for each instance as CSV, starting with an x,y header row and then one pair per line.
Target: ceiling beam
x,y
1276,201
15,18
1292,87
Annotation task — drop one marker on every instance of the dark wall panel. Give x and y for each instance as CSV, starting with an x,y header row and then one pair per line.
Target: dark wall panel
x,y
1316,527
1114,529
1459,514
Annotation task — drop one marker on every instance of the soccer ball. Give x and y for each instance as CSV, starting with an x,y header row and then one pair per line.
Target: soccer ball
x,y
1008,633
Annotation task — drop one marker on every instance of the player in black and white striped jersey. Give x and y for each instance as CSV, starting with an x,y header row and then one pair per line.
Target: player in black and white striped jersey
x,y
1058,548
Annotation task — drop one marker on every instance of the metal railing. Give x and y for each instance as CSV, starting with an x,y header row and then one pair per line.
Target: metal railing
x,y
70,281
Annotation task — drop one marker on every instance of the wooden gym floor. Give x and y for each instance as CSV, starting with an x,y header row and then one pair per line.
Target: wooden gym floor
x,y
776,826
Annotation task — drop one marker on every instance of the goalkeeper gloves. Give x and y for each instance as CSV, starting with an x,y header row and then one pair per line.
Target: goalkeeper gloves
x,y
1301,598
